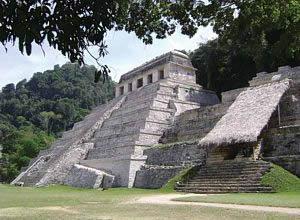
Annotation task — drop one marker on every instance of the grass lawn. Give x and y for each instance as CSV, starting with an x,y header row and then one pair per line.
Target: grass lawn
x,y
66,203
282,199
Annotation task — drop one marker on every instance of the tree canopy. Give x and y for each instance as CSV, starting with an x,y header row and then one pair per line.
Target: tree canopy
x,y
254,36
73,26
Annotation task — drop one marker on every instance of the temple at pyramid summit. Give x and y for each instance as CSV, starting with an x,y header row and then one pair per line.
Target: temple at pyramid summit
x,y
161,122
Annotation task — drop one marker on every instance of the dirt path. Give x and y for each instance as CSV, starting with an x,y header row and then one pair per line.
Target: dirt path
x,y
166,200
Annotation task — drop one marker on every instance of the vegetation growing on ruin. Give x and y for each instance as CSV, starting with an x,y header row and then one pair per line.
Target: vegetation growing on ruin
x,y
183,176
33,113
176,143
281,180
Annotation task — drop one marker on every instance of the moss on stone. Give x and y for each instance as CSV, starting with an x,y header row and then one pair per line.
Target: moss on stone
x,y
183,176
281,180
194,141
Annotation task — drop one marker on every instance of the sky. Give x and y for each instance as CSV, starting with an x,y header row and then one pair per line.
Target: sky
x,y
126,52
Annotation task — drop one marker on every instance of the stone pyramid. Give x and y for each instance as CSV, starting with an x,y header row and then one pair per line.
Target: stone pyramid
x,y
106,149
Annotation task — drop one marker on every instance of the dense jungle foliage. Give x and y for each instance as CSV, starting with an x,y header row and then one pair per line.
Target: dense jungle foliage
x,y
253,36
33,113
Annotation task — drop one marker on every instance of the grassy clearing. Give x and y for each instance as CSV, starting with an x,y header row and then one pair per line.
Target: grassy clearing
x,y
63,195
66,203
281,180
288,199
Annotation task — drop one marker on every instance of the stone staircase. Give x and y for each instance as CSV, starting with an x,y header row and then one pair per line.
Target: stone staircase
x,y
131,129
49,166
228,177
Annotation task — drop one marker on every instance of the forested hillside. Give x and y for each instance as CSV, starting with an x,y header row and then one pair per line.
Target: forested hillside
x,y
33,113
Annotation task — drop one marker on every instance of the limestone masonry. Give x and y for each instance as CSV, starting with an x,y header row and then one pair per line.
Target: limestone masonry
x,y
152,129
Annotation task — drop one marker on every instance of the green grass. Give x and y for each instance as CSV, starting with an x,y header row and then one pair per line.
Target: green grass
x,y
287,199
67,203
62,195
281,180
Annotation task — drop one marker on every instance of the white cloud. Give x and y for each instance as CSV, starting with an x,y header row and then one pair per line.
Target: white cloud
x,y
126,51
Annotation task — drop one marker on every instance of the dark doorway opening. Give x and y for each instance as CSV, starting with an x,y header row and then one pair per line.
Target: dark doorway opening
x,y
139,83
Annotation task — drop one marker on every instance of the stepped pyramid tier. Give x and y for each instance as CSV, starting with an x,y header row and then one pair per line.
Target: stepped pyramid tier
x,y
107,148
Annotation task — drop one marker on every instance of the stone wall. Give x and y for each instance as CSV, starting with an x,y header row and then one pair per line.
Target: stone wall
x,y
281,146
155,177
178,154
166,161
197,122
281,140
194,124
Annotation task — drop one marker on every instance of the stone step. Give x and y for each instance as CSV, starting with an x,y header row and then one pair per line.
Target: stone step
x,y
108,133
165,96
233,184
211,167
110,152
63,142
245,162
155,114
229,173
131,109
242,169
101,144
225,181
150,126
144,103
227,176
255,188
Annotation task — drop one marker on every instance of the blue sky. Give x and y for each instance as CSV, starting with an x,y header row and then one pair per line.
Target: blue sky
x,y
126,51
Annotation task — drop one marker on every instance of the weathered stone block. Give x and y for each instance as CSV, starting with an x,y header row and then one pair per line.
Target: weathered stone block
x,y
155,178
82,176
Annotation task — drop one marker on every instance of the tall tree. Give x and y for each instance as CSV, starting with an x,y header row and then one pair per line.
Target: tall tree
x,y
268,30
73,26
254,36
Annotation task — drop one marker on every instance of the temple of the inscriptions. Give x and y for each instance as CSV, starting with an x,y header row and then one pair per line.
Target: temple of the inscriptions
x,y
108,145
161,122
